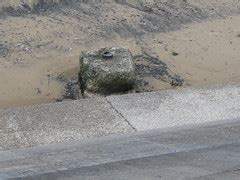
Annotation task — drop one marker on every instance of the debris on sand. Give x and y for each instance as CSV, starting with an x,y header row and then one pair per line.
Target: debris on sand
x,y
174,53
148,66
3,50
72,88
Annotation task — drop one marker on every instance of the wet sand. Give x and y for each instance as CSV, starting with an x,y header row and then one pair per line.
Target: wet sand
x,y
206,53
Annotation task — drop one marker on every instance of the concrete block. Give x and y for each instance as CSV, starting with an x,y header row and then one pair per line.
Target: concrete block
x,y
106,71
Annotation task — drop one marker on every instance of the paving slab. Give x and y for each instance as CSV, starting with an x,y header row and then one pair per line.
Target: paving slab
x,y
181,107
59,122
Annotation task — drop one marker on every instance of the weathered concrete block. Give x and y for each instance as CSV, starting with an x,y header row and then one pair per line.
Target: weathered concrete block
x,y
106,71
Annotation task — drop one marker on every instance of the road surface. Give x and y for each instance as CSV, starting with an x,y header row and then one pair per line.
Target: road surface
x,y
209,151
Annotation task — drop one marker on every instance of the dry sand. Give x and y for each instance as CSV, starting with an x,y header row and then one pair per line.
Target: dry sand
x,y
39,49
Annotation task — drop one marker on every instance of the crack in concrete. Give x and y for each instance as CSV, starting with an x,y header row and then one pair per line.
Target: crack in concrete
x,y
125,119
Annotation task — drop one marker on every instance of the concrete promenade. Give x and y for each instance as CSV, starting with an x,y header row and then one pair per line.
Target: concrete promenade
x,y
177,134
92,118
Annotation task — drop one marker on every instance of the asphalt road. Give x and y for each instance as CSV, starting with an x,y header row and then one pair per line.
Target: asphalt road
x,y
207,151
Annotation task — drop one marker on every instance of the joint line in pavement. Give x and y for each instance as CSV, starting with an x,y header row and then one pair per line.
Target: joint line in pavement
x,y
121,115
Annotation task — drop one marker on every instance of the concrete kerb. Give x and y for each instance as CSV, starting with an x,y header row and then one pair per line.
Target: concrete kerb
x,y
59,122
176,108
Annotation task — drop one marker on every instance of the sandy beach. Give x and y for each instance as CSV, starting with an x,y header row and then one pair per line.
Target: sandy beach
x,y
39,53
